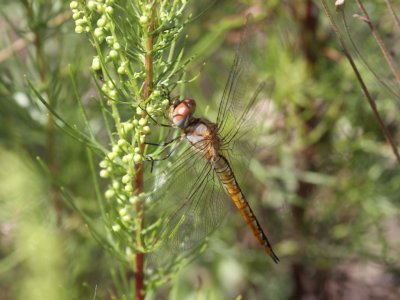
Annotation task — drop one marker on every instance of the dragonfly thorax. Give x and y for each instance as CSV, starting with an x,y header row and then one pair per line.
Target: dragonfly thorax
x,y
182,112
204,137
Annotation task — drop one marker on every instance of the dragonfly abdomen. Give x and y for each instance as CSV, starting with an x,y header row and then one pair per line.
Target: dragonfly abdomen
x,y
228,180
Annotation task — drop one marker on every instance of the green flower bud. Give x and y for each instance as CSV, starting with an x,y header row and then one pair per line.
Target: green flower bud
x,y
116,185
122,142
126,178
123,211
150,108
115,148
121,69
103,164
128,127
146,129
80,22
110,84
96,63
128,188
91,5
73,5
98,32
137,158
109,10
143,20
112,93
111,155
100,8
113,53
105,88
127,158
142,121
109,194
133,199
101,22
104,174
78,29
109,39
116,227
126,218
116,46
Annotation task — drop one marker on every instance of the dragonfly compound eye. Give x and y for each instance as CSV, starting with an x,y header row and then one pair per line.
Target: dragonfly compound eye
x,y
183,112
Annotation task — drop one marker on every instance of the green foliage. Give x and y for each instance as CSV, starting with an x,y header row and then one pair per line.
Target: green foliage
x,y
324,181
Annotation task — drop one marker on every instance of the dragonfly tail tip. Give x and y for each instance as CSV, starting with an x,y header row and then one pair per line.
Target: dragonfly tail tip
x,y
275,258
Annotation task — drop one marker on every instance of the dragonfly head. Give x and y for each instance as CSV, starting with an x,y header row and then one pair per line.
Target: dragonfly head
x,y
182,112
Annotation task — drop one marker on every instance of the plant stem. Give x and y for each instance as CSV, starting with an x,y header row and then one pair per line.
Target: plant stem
x,y
148,85
43,69
393,13
364,88
375,34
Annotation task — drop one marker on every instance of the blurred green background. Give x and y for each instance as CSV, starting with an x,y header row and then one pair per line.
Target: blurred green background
x,y
325,184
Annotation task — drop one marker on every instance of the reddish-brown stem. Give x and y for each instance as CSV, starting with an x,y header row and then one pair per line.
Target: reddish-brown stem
x,y
139,258
138,181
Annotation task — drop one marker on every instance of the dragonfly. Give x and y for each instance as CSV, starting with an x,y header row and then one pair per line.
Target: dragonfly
x,y
202,174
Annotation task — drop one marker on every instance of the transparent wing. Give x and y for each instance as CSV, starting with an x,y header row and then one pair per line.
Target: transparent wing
x,y
190,202
233,97
240,105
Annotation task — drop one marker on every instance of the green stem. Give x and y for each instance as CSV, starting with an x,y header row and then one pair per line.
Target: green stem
x,y
38,40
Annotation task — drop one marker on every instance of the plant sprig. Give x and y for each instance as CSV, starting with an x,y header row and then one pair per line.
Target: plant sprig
x,y
135,42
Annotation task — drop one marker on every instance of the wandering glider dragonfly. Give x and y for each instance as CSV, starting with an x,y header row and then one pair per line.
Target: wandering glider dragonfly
x,y
200,180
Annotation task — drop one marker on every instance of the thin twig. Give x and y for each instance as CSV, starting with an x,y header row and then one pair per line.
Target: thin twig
x,y
381,80
393,13
375,34
364,88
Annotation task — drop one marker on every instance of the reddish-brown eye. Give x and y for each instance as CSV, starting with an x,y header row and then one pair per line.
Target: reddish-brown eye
x,y
183,112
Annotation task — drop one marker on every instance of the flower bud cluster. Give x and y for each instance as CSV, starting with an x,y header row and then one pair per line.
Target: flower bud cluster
x,y
95,16
80,12
118,166
109,89
121,51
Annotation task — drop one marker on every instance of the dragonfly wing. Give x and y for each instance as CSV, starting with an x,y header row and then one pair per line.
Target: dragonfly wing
x,y
190,204
240,111
235,88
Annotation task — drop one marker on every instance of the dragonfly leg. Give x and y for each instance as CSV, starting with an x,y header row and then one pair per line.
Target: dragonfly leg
x,y
168,155
153,160
163,144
